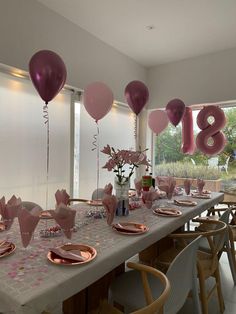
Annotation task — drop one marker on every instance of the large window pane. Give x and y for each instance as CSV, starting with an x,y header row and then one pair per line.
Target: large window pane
x,y
23,142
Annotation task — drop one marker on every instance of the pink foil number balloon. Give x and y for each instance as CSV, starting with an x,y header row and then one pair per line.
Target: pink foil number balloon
x,y
211,130
137,95
175,110
188,145
48,73
158,121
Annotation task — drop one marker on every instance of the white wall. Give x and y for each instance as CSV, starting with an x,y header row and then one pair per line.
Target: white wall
x,y
209,78
27,26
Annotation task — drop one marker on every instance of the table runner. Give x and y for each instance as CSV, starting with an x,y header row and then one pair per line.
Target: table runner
x,y
30,283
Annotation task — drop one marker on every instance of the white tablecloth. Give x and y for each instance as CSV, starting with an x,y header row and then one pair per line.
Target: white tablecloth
x,y
31,284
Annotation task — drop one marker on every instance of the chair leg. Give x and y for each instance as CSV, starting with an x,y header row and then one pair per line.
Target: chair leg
x,y
231,258
219,291
203,292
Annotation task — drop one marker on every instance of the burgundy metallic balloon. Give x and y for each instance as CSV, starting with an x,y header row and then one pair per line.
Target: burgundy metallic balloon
x,y
136,94
175,110
48,73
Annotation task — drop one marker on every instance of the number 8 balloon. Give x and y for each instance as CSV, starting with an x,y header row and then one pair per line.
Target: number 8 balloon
x,y
211,130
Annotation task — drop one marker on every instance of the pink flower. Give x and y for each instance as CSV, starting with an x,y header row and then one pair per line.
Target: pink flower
x,y
106,150
110,165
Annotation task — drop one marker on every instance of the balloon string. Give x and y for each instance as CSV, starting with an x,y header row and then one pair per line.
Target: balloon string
x,y
135,126
46,118
96,147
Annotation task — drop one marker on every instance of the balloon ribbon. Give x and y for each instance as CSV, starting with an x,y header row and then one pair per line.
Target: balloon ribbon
x,y
96,147
46,118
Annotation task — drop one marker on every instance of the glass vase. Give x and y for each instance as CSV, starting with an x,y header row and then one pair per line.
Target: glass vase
x,y
122,195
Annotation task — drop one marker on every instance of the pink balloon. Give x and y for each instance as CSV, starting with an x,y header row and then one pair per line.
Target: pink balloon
x,y
98,100
175,110
211,130
188,145
158,121
136,94
48,73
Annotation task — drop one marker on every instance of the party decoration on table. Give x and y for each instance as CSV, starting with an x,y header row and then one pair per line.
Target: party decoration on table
x,y
46,214
6,248
166,184
188,144
187,186
28,221
9,210
136,95
158,121
200,185
51,232
123,163
211,130
48,74
167,212
65,218
98,99
108,189
130,228
72,254
138,186
62,197
149,197
175,110
110,203
178,191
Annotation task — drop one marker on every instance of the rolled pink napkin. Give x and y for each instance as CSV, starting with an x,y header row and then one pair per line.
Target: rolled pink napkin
x,y
110,203
138,186
65,218
187,185
108,189
149,197
9,210
62,197
200,185
167,184
28,221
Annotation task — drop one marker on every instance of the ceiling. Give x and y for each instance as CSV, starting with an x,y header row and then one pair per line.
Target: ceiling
x,y
182,28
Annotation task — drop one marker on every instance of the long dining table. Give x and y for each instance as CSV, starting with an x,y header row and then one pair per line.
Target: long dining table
x,y
31,284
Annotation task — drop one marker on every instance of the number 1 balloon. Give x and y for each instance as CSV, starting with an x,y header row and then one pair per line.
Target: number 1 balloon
x,y
188,145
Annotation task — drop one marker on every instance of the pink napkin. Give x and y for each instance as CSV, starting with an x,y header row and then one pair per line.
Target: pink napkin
x,y
166,184
65,217
138,186
62,197
187,186
200,185
149,197
28,222
74,255
110,203
10,210
108,189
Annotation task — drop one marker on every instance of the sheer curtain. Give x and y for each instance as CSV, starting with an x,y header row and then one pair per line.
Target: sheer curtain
x,y
23,142
116,129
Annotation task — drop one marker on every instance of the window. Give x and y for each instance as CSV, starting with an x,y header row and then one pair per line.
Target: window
x,y
116,129
23,142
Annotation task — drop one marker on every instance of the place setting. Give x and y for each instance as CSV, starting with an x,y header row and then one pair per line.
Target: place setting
x,y
167,212
200,193
130,228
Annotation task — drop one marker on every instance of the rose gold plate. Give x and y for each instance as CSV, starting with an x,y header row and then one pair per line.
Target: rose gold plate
x,y
183,202
46,215
95,203
130,228
175,212
2,226
10,250
203,196
88,252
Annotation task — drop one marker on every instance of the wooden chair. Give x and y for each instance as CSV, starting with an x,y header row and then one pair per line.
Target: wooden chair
x,y
127,290
29,205
153,305
207,262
